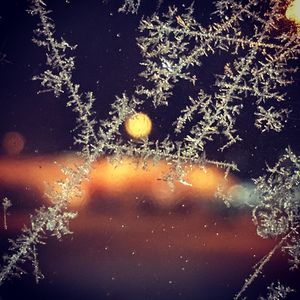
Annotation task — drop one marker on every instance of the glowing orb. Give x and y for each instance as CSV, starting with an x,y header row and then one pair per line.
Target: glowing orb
x,y
13,143
293,12
138,125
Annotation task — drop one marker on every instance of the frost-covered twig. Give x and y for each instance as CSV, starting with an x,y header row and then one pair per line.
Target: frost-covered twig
x,y
59,78
54,219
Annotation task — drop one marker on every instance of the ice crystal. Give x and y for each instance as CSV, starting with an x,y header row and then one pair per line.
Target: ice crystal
x,y
130,6
277,214
278,210
277,292
259,44
175,42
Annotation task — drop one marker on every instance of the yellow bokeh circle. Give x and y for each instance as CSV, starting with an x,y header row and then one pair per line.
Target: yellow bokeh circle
x,y
138,126
293,11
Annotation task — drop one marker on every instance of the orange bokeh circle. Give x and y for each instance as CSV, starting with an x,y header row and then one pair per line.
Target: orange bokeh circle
x,y
13,143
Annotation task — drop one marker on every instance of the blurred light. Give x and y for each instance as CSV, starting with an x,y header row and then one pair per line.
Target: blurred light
x,y
125,181
205,180
293,12
243,194
138,126
13,143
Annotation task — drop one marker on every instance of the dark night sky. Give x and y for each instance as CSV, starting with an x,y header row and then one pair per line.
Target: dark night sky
x,y
107,63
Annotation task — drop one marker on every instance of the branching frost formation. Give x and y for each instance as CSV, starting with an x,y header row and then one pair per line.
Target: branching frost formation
x,y
260,44
277,292
277,214
175,42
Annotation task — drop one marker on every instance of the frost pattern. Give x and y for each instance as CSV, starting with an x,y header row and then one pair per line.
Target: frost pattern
x,y
176,42
277,292
278,210
277,214
130,6
172,46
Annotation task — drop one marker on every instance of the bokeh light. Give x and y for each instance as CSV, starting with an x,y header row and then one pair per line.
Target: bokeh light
x,y
13,143
138,126
293,12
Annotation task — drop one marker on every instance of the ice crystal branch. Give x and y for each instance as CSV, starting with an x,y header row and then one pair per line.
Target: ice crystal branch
x,y
178,155
171,45
58,78
277,292
277,214
258,268
130,6
166,53
109,129
270,119
52,220
214,119
278,211
279,205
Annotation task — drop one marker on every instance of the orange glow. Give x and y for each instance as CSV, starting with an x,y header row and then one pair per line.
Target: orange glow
x,y
293,12
38,173
126,182
205,180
